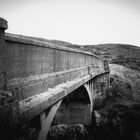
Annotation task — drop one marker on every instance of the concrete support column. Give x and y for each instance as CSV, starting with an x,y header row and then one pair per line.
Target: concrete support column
x,y
106,65
87,86
46,119
3,27
92,87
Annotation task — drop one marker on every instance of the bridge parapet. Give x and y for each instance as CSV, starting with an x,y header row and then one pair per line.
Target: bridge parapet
x,y
30,66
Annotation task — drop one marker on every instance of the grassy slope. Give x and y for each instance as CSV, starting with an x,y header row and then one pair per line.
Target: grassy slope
x,y
122,54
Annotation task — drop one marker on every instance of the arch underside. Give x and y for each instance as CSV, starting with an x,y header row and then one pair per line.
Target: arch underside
x,y
75,108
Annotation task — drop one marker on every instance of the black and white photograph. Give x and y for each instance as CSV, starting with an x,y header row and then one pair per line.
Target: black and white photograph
x,y
69,69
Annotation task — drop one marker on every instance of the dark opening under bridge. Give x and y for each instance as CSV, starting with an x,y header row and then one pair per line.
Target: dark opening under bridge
x,y
35,76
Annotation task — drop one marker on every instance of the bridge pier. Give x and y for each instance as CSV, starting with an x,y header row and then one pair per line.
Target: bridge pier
x,y
97,90
46,119
88,87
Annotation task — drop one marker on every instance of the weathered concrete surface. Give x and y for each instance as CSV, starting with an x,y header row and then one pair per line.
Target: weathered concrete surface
x,y
32,85
3,26
34,75
97,89
36,104
46,120
30,57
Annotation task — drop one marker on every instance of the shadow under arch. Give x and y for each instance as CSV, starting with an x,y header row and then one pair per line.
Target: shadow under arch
x,y
75,108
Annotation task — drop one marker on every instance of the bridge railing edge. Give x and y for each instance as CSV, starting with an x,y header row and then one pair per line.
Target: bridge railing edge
x,y
25,40
21,85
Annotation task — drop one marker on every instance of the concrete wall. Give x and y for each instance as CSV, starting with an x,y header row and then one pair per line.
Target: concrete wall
x,y
24,57
30,58
100,90
29,66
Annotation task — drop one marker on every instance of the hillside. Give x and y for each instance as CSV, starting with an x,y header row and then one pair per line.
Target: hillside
x,y
123,54
125,82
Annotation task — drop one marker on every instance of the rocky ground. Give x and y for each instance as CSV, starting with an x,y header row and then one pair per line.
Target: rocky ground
x,y
117,122
69,132
120,118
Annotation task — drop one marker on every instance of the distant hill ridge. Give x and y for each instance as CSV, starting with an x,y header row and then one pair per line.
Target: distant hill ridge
x,y
123,54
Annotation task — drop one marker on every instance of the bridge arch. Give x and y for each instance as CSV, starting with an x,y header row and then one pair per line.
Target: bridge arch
x,y
89,88
53,115
75,103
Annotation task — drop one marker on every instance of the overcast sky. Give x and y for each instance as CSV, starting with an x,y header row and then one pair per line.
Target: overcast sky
x,y
75,21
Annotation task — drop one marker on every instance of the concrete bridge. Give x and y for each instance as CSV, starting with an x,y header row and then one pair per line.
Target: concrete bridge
x,y
35,76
